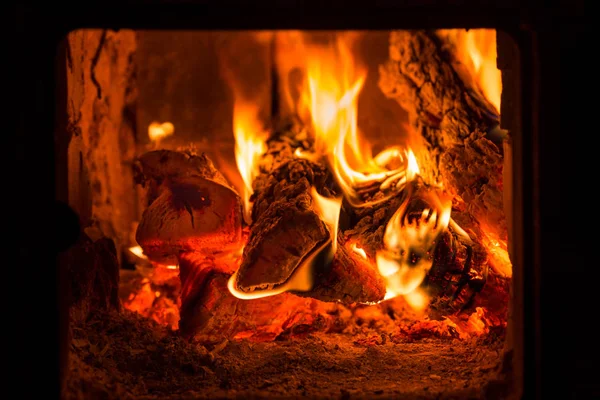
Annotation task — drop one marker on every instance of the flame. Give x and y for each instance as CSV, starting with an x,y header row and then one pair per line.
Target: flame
x,y
158,131
138,252
250,145
409,241
418,300
358,250
476,50
334,82
328,210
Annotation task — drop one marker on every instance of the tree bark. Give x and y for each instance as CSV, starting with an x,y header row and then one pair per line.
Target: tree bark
x,y
457,127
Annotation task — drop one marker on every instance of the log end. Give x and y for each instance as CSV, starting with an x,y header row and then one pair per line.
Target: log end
x,y
277,247
203,216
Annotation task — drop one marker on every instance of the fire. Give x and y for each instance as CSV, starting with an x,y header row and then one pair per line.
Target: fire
x,y
329,211
409,240
476,50
250,145
334,83
358,250
158,131
139,253
331,98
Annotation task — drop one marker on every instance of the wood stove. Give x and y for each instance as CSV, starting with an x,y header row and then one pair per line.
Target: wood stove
x,y
515,373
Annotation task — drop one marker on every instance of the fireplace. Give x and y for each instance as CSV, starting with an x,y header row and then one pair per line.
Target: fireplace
x,y
276,212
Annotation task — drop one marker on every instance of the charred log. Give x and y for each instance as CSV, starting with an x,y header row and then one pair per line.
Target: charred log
x,y
460,262
286,229
457,127
191,207
210,313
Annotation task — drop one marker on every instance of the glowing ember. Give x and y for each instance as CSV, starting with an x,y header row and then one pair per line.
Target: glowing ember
x,y
250,138
476,50
158,131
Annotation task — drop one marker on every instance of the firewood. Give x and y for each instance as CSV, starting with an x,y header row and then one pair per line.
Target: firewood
x,y
459,258
286,229
210,313
93,271
455,124
191,207
350,276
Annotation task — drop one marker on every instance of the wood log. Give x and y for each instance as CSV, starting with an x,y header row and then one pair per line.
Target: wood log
x,y
191,207
286,229
210,313
93,271
460,263
456,126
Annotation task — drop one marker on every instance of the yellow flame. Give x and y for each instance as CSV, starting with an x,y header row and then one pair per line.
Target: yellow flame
x,y
476,50
358,250
418,300
138,252
250,145
158,131
328,210
409,241
331,97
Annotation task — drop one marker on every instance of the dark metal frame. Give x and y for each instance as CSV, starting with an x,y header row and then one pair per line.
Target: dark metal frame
x,y
40,100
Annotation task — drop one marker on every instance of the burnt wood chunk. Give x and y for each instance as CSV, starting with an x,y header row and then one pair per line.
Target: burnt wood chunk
x,y
191,207
209,312
350,279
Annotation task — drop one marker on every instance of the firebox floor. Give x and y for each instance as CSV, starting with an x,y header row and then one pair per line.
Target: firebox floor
x,y
125,356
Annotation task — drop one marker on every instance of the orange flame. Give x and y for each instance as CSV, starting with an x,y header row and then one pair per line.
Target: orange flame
x,y
476,50
250,145
158,131
334,82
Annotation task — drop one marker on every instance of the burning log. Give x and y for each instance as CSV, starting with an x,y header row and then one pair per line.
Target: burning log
x,y
208,309
210,313
287,231
193,213
457,125
453,266
191,207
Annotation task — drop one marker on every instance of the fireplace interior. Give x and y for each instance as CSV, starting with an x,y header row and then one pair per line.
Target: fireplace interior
x,y
287,213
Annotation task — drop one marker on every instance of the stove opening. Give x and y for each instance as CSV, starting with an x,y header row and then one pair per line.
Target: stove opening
x,y
289,213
